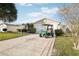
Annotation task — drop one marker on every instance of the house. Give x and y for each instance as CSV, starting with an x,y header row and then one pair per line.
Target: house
x,y
65,28
14,28
39,25
10,27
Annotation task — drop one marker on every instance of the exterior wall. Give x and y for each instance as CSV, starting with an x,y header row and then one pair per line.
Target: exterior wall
x,y
55,26
12,28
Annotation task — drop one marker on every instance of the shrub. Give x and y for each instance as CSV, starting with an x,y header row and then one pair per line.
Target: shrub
x,y
59,32
24,30
32,30
19,30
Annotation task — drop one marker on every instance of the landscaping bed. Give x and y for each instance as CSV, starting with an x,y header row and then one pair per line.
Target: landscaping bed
x,y
9,35
63,47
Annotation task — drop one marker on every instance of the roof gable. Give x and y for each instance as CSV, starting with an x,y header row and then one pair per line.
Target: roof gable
x,y
46,21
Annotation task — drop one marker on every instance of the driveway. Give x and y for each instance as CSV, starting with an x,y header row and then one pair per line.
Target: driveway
x,y
31,45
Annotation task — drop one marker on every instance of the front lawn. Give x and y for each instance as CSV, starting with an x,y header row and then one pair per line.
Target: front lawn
x,y
63,47
7,35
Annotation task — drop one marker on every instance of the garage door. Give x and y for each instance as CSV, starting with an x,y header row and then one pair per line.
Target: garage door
x,y
38,27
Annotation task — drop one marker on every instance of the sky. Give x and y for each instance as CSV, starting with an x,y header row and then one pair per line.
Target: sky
x,y
31,12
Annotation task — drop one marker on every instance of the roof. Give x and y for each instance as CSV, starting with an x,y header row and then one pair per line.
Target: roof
x,y
46,19
12,24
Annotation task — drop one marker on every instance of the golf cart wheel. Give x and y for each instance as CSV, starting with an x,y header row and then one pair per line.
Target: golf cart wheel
x,y
40,35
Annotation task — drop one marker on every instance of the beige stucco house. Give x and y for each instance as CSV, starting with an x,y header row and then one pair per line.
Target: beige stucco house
x,y
39,25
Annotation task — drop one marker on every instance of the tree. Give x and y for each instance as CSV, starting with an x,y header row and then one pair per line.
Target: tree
x,y
70,15
8,12
31,28
59,32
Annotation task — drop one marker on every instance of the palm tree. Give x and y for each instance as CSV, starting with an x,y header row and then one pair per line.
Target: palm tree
x,y
8,12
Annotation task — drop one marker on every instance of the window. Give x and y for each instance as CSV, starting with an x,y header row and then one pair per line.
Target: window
x,y
4,29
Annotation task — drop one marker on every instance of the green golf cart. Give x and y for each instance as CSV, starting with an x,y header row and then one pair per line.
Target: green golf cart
x,y
47,32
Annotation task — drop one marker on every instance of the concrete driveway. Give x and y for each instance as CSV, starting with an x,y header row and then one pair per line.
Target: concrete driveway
x,y
31,45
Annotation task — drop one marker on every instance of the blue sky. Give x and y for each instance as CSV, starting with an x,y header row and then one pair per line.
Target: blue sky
x,y
31,12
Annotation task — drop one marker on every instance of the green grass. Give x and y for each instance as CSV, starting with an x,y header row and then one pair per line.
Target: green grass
x,y
7,35
63,46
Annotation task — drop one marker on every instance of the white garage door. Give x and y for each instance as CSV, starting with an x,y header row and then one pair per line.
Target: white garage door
x,y
38,27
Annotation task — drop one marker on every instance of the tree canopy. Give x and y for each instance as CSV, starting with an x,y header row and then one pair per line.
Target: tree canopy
x,y
8,12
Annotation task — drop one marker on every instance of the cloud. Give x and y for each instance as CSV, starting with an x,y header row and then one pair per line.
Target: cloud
x,y
29,4
34,14
44,12
25,4
49,11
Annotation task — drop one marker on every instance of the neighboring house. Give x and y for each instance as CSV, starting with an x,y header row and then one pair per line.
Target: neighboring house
x,y
10,27
65,28
14,28
39,25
